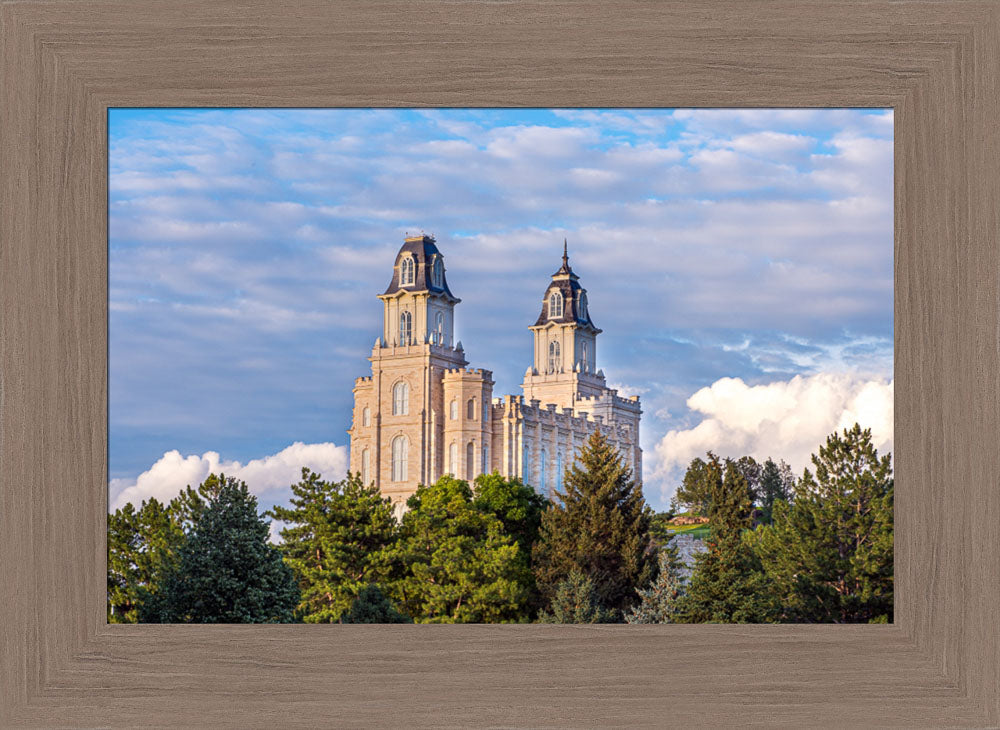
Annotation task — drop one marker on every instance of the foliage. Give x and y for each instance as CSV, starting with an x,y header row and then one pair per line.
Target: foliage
x,y
517,506
776,484
336,542
600,529
454,563
658,602
371,606
576,602
142,547
226,571
727,585
829,553
660,528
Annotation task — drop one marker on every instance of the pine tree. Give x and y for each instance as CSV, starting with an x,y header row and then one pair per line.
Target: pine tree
x,y
142,548
335,542
727,585
829,553
372,607
600,528
776,484
659,603
226,571
576,602
454,563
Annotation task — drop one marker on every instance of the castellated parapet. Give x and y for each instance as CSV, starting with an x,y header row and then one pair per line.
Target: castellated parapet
x,y
424,413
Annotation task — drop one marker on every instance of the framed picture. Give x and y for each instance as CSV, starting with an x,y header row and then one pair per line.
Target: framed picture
x,y
65,66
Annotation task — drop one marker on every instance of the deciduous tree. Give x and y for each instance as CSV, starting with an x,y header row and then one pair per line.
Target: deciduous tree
x,y
454,563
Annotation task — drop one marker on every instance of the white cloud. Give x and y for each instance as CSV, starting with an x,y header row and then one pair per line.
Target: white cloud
x,y
784,420
172,472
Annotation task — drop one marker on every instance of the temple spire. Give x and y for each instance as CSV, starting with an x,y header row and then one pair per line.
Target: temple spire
x,y
565,253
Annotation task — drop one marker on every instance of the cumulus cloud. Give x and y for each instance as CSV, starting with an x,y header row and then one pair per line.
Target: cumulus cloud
x,y
172,472
784,420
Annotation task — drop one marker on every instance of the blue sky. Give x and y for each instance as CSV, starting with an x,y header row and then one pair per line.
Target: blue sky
x,y
738,261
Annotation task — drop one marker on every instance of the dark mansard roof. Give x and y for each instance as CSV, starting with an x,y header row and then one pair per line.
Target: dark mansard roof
x,y
565,281
424,252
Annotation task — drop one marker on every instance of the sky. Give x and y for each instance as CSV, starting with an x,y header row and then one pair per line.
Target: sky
x,y
739,263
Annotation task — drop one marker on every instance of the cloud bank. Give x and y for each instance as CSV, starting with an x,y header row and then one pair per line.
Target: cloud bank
x,y
172,472
783,419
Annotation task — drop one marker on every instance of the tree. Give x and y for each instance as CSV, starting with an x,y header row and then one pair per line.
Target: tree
x,y
519,509
658,602
726,585
517,506
142,547
776,485
226,570
336,542
576,602
600,528
829,553
372,607
454,563
695,490
748,467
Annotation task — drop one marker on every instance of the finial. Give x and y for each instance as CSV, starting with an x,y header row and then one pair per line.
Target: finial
x,y
565,253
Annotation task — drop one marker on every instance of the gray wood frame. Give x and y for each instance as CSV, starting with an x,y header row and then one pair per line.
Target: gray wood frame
x,y
64,63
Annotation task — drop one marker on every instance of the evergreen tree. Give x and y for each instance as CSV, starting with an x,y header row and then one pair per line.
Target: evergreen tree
x,y
752,472
335,542
600,529
142,547
226,570
727,585
829,553
658,603
776,484
576,602
454,563
372,607
695,491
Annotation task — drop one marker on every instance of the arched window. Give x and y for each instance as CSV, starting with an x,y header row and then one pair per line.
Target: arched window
x,y
486,459
555,359
583,305
559,469
400,399
399,459
365,467
439,329
366,416
555,305
541,471
453,459
586,362
526,465
470,409
437,273
454,409
406,272
405,328
470,461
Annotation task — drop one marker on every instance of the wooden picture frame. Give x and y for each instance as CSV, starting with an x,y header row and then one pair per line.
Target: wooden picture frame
x,y
64,64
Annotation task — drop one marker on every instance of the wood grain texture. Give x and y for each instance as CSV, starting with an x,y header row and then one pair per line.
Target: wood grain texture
x,y
65,63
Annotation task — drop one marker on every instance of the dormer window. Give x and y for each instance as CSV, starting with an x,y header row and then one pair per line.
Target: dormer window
x,y
555,305
437,274
583,305
406,272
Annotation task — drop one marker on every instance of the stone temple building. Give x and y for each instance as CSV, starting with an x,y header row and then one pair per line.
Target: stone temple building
x,y
423,413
